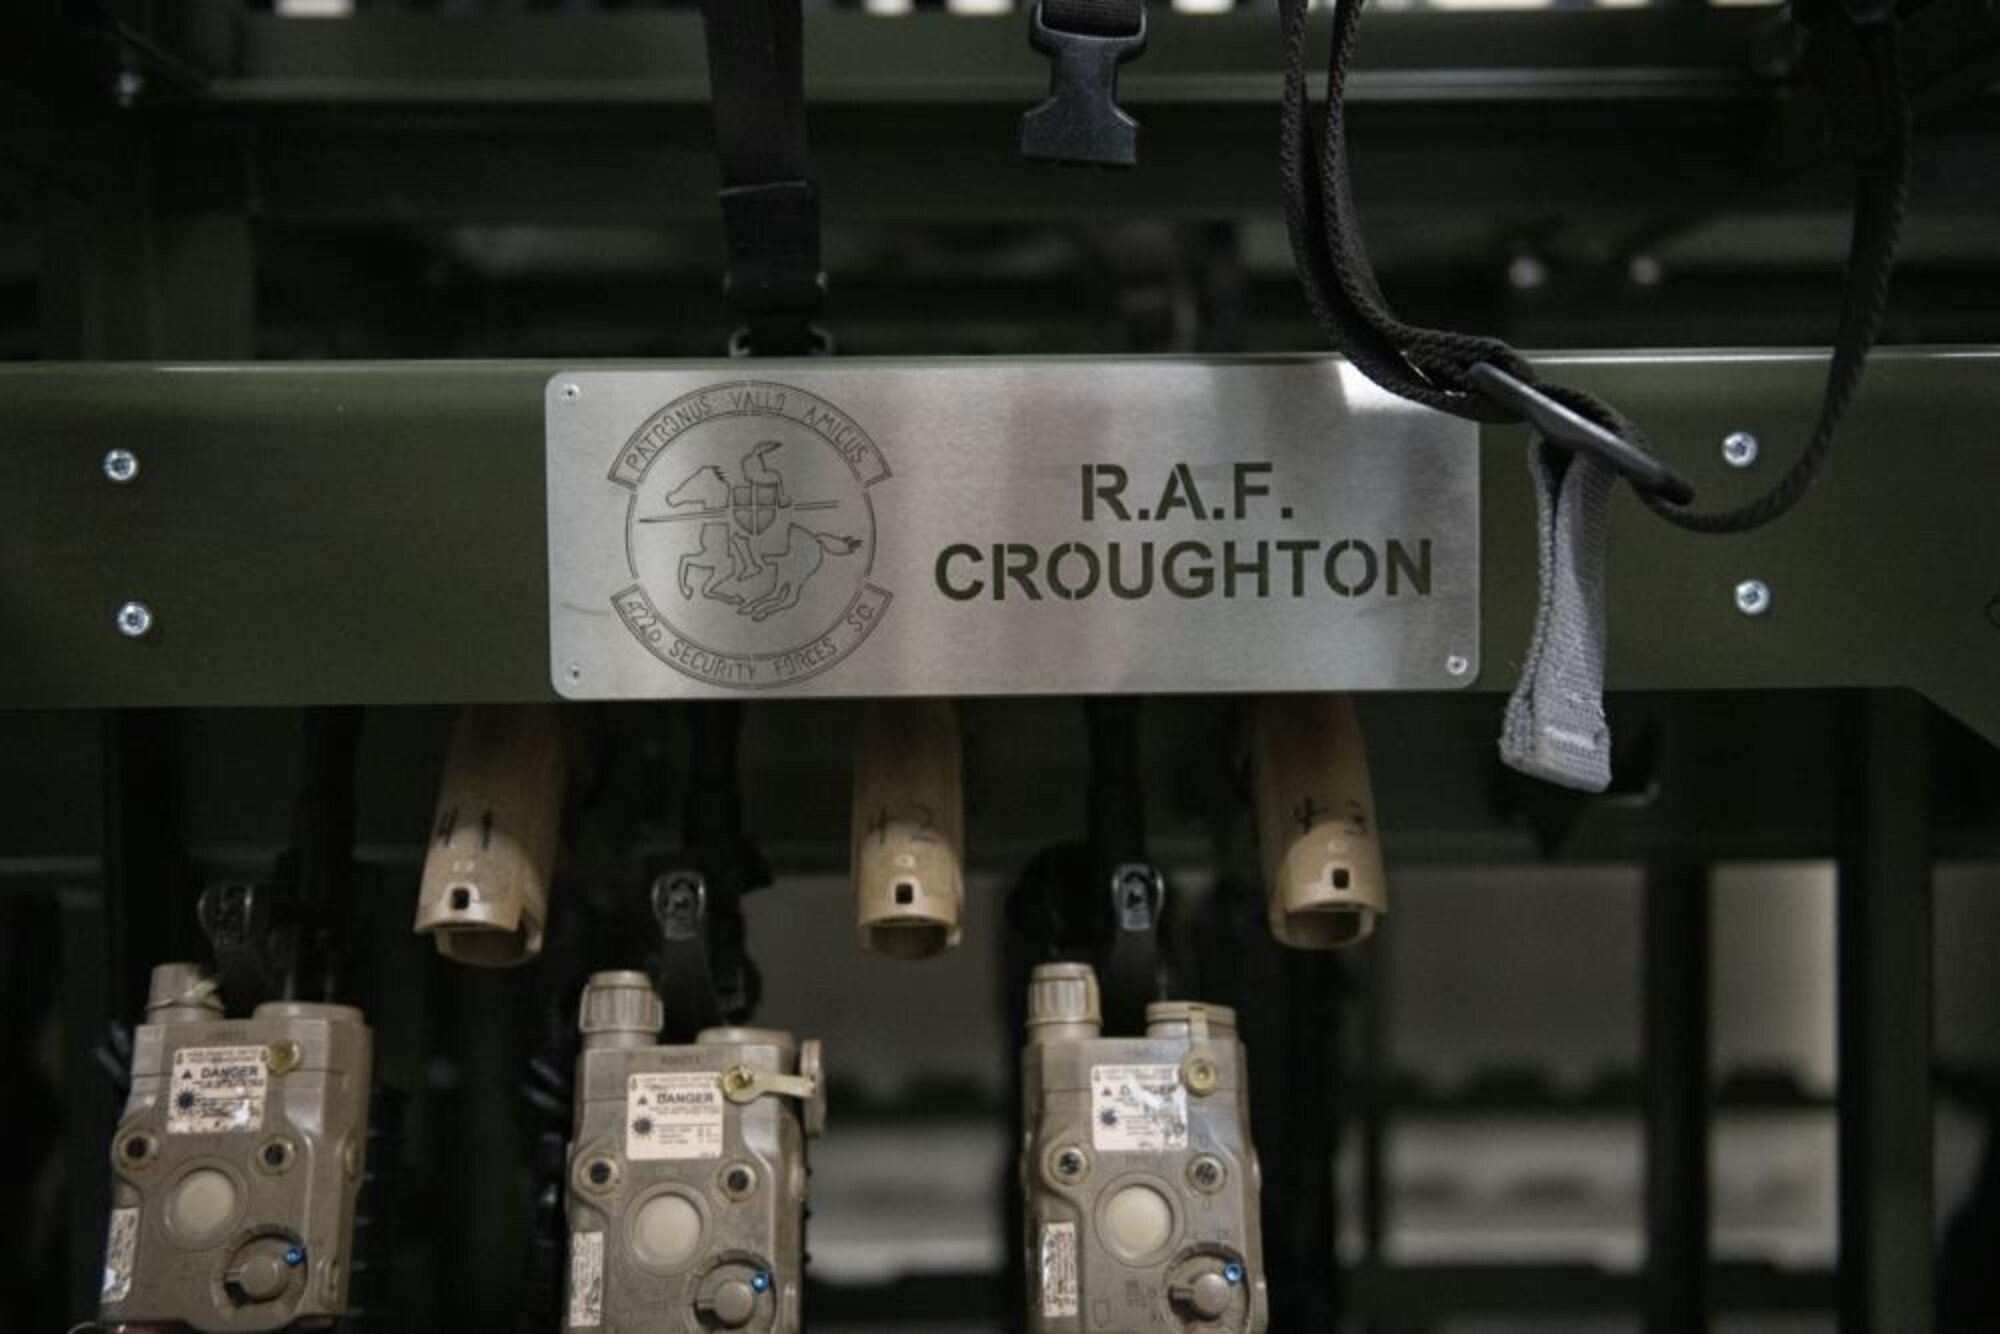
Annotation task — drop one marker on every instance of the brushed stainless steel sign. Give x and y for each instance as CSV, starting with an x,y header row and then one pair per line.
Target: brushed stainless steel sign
x,y
1034,527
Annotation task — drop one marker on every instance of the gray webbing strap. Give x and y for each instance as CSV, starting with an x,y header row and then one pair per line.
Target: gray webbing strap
x,y
1554,727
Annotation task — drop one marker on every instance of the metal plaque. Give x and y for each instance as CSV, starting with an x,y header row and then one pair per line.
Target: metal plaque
x,y
853,528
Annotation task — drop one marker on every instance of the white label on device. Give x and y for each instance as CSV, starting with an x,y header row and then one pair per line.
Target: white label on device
x,y
673,1116
1058,1270
1138,1108
118,1249
217,1090
586,1280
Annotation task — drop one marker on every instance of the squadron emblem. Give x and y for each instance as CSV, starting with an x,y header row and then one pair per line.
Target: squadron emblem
x,y
750,535
741,560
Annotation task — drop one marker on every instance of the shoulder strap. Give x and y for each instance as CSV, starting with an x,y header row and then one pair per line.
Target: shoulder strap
x,y
1851,52
1554,726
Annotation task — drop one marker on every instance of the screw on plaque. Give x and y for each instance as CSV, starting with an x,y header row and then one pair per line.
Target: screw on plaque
x,y
1080,123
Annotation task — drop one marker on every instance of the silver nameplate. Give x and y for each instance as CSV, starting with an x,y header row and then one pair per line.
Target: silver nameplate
x,y
1006,528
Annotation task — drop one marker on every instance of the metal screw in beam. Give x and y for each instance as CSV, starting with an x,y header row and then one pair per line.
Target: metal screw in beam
x,y
1753,597
126,87
134,619
1527,273
121,466
1739,449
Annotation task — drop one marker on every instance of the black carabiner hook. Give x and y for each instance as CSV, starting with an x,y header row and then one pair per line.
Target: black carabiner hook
x,y
1564,426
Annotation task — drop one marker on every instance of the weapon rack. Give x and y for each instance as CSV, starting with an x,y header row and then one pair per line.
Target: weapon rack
x,y
405,214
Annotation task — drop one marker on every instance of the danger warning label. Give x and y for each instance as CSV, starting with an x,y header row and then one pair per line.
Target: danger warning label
x,y
1137,1108
217,1090
673,1116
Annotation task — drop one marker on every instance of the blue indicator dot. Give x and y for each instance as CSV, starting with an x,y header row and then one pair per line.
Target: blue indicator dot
x,y
294,1256
1232,1273
760,1282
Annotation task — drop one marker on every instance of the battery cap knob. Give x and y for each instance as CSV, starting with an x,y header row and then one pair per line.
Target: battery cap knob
x,y
733,1304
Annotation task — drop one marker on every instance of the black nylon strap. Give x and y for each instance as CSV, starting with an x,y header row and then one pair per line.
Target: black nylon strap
x,y
1099,18
1853,57
770,204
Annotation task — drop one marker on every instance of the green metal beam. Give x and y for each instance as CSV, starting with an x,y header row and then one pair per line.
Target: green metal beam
x,y
568,117
374,533
385,117
658,58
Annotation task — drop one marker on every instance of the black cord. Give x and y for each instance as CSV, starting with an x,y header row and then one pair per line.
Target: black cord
x,y
1854,58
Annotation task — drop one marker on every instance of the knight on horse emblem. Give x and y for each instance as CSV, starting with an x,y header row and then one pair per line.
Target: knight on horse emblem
x,y
758,578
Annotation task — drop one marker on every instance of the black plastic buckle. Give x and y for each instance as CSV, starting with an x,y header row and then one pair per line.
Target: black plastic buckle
x,y
1857,13
743,342
1080,123
1135,964
685,970
1564,426
255,942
